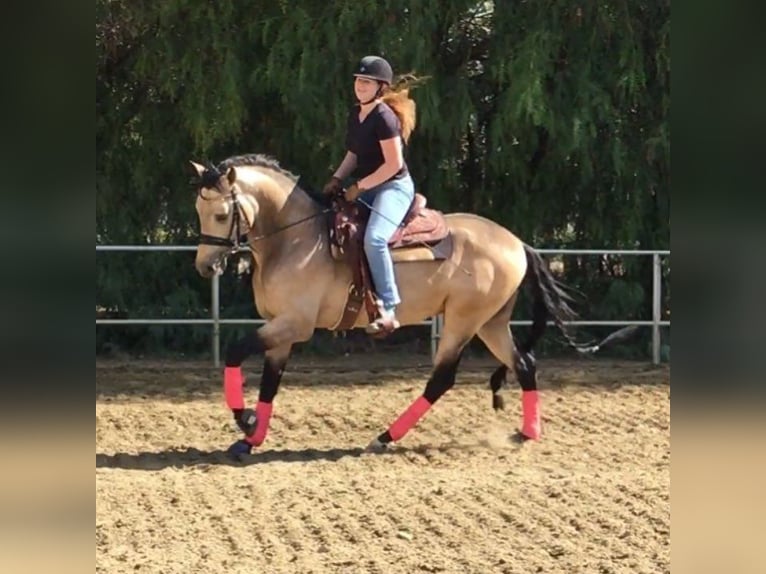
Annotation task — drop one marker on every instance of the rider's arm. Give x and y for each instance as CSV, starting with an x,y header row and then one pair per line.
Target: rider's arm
x,y
393,161
346,167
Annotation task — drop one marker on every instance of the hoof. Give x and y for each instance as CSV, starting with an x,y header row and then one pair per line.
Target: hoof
x,y
239,449
376,446
521,437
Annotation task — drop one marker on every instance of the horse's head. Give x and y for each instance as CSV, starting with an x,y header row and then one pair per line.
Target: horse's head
x,y
225,217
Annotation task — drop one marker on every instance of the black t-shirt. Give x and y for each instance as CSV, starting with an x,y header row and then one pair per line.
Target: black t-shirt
x,y
363,139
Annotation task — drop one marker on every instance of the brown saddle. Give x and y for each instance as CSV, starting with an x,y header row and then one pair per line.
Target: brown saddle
x,y
421,227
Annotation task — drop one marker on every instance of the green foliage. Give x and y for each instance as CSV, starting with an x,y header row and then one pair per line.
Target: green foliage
x,y
551,118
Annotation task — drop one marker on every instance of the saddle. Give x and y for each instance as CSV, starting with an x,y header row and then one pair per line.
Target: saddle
x,y
422,236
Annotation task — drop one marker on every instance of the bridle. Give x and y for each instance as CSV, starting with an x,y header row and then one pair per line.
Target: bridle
x,y
236,239
239,240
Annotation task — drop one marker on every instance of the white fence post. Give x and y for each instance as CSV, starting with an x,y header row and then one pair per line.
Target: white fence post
x,y
436,333
656,308
215,311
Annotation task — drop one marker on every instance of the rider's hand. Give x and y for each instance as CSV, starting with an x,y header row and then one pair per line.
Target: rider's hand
x,y
353,192
332,187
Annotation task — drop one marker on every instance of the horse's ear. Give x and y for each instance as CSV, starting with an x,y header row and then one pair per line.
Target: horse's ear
x,y
231,175
199,168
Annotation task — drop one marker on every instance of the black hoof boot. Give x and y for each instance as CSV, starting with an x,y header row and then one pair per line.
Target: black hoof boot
x,y
239,449
246,421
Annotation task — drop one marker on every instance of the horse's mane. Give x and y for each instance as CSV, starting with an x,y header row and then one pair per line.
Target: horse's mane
x,y
212,174
256,160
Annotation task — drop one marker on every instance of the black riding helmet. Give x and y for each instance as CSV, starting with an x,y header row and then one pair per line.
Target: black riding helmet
x,y
375,68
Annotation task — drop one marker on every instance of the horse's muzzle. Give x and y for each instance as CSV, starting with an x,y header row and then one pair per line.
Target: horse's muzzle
x,y
212,266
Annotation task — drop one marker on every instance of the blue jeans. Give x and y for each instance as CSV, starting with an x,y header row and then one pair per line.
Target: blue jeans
x,y
390,201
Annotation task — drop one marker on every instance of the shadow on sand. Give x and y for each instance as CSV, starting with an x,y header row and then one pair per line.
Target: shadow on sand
x,y
190,457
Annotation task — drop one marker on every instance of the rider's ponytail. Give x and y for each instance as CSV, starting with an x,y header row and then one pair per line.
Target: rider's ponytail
x,y
397,97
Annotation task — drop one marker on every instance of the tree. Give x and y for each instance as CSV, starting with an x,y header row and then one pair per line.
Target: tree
x,y
551,118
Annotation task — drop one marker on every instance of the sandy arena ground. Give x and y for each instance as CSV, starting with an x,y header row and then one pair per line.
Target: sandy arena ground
x,y
456,495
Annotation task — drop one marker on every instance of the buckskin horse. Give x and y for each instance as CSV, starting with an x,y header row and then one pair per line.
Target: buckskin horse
x,y
309,273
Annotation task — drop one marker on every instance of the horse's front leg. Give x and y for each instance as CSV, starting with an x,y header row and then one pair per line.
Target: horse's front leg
x,y
275,340
255,422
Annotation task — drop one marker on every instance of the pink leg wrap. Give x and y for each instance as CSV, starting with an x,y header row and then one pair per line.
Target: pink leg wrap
x,y
263,416
232,387
409,418
530,403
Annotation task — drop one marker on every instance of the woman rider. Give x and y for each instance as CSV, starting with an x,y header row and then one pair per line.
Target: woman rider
x,y
378,128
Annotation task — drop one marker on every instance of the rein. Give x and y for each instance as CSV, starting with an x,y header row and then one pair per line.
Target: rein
x,y
240,240
293,224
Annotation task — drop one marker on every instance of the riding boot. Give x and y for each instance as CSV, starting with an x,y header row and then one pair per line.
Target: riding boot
x,y
386,322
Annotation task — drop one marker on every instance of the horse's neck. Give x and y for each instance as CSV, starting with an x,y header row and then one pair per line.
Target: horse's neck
x,y
277,226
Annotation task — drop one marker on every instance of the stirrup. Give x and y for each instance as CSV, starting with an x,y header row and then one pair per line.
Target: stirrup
x,y
383,325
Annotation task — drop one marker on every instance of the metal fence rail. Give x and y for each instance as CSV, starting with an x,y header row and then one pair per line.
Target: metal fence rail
x,y
656,322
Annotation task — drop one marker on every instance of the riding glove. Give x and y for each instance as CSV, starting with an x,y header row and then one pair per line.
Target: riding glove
x,y
332,187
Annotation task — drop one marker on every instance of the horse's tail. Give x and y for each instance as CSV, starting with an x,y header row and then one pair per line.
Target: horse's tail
x,y
551,301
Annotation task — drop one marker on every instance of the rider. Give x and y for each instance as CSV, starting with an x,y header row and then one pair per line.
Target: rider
x,y
378,128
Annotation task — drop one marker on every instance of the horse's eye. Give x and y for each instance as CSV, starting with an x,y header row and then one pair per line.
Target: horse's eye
x,y
221,217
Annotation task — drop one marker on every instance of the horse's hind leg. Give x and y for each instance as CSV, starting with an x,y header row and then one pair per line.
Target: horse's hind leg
x,y
496,383
442,379
496,335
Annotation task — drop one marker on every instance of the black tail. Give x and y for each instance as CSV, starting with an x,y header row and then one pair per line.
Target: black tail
x,y
551,301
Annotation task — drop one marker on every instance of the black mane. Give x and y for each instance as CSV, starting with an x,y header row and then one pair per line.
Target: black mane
x,y
254,159
212,174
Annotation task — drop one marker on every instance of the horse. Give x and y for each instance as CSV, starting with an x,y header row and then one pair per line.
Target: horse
x,y
300,285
